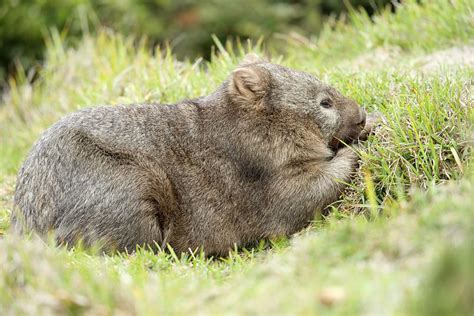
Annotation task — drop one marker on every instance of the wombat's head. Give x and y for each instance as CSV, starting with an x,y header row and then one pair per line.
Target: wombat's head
x,y
299,96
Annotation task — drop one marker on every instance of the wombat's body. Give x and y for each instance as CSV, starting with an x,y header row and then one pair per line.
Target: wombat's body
x,y
250,161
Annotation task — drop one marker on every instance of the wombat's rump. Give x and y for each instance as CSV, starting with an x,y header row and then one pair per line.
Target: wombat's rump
x,y
257,158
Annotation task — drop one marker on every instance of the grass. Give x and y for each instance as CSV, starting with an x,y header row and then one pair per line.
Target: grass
x,y
398,242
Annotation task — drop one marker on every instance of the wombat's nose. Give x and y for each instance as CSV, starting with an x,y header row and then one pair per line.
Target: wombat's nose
x,y
363,117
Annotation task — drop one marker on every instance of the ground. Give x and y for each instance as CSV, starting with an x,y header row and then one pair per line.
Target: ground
x,y
400,240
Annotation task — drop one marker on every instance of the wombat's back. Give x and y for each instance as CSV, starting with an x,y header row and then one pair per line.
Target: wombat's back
x,y
35,192
85,179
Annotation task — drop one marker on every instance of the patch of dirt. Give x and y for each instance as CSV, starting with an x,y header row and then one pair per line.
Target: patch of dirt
x,y
393,56
376,58
456,56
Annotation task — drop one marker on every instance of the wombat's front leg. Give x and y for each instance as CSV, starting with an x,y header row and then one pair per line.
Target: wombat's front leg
x,y
308,188
337,174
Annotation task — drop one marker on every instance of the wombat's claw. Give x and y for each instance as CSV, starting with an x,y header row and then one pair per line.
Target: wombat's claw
x,y
376,118
373,119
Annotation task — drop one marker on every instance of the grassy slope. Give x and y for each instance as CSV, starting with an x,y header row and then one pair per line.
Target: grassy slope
x,y
379,261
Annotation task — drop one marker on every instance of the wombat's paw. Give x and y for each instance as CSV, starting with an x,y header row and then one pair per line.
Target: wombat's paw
x,y
374,119
348,154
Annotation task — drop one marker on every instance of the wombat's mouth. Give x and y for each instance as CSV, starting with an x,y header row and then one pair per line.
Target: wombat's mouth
x,y
347,138
337,143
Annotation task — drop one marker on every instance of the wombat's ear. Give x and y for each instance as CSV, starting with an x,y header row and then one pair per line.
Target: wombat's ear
x,y
252,58
249,85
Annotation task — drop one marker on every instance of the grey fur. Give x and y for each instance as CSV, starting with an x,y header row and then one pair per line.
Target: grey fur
x,y
257,158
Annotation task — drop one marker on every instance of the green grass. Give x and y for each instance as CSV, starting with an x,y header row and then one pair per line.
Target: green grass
x,y
399,241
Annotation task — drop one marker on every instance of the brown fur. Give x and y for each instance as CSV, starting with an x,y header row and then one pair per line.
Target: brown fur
x,y
257,158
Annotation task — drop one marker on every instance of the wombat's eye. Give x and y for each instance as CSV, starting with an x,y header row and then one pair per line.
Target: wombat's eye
x,y
326,103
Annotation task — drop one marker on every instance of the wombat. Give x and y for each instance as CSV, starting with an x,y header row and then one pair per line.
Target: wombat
x,y
257,158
